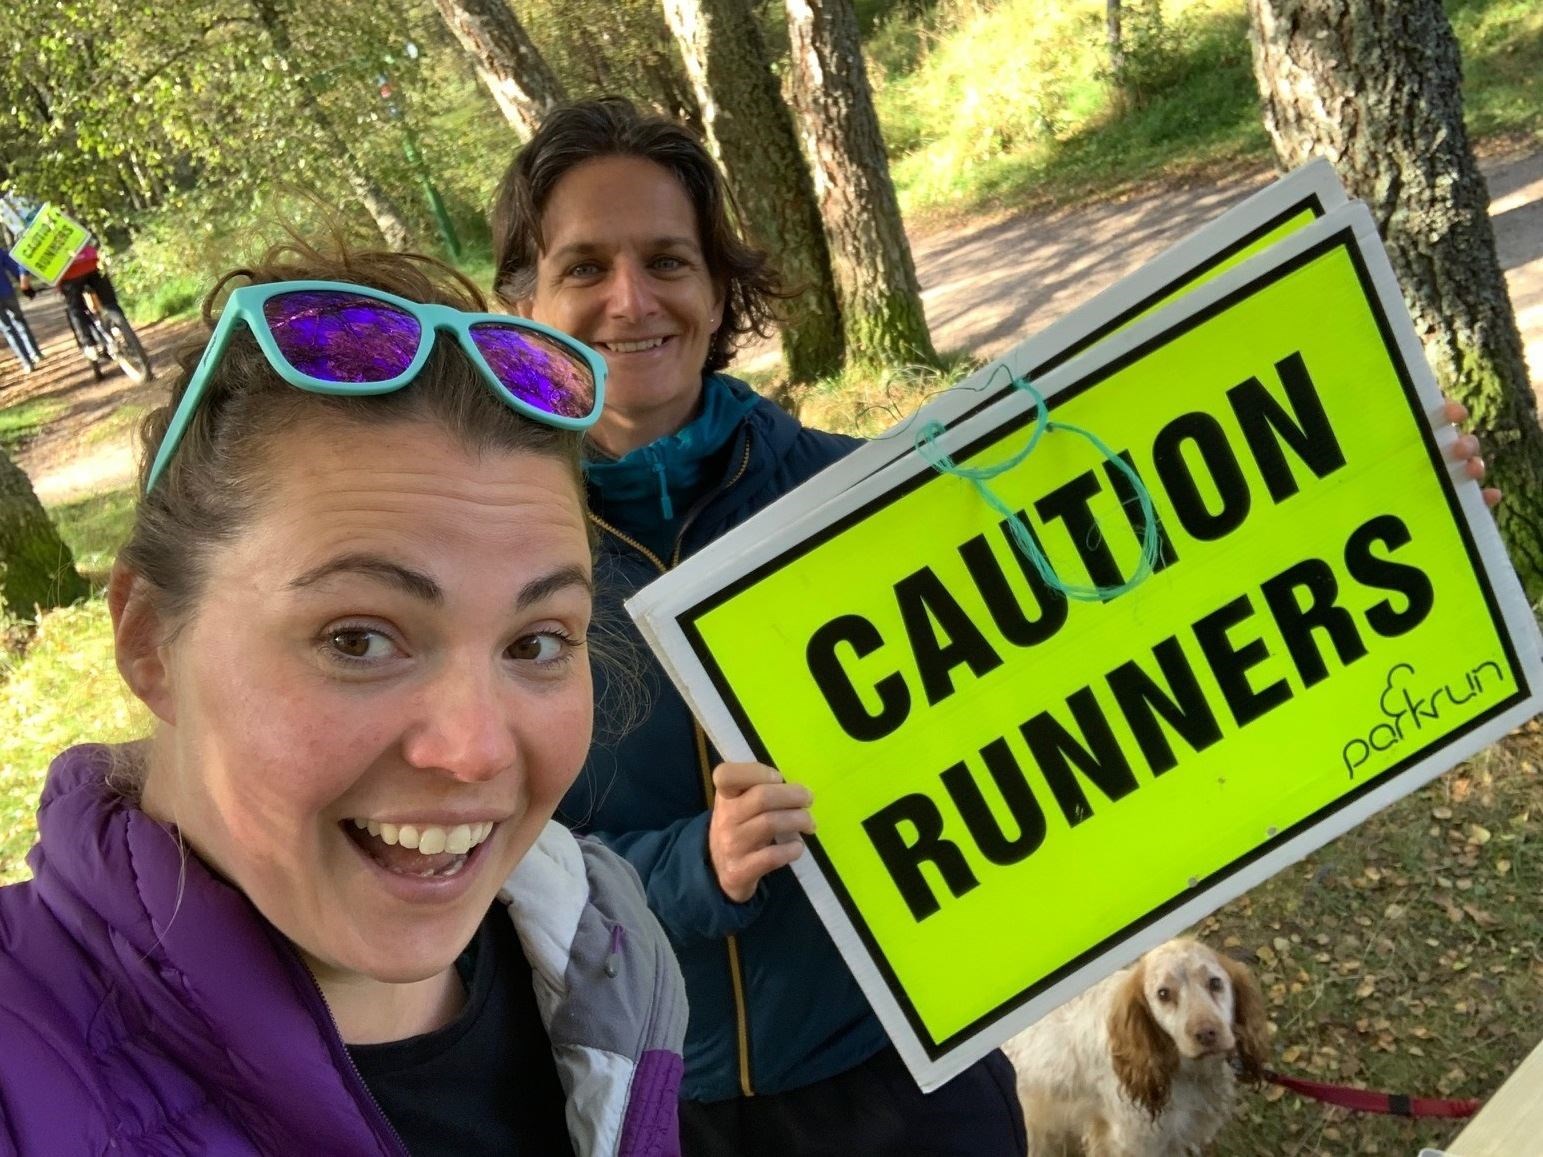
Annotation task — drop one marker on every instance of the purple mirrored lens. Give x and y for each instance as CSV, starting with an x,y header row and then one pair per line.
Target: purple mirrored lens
x,y
342,337
537,369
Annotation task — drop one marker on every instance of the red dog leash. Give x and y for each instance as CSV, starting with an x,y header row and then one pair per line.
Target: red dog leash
x,y
1371,1101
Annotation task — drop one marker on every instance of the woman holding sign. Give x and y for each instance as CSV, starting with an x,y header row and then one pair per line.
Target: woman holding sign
x,y
615,227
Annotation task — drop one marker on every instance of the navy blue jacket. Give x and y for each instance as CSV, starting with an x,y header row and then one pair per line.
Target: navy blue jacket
x,y
773,1006
8,270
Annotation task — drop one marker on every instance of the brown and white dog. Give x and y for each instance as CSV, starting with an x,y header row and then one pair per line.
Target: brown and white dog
x,y
1141,1064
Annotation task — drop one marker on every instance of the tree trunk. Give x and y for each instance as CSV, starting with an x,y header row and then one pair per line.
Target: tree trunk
x,y
750,131
388,218
376,201
507,61
881,309
36,566
1115,40
1375,86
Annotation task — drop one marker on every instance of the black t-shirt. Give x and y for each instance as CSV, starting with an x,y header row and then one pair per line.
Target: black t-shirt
x,y
485,1083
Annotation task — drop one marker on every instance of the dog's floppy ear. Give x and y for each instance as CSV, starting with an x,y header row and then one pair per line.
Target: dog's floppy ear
x,y
1250,1027
1144,1057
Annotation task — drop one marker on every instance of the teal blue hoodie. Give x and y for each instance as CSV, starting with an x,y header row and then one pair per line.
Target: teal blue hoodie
x,y
647,489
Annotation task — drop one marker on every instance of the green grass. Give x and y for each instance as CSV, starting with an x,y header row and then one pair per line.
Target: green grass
x,y
1502,43
172,298
1030,117
63,690
95,527
868,402
476,262
20,423
1033,116
58,685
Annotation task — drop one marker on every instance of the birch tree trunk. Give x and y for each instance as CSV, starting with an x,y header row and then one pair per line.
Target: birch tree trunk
x,y
376,201
1375,86
876,287
750,131
508,62
1114,40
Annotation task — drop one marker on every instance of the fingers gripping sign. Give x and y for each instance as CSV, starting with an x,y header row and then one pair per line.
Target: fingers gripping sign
x,y
757,825
1466,449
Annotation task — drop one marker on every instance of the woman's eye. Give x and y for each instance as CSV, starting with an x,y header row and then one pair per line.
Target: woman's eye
x,y
584,269
359,644
668,264
544,647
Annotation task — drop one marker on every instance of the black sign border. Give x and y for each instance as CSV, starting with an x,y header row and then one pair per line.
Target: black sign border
x,y
687,621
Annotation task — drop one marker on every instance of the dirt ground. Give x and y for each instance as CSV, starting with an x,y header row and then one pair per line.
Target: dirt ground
x,y
986,285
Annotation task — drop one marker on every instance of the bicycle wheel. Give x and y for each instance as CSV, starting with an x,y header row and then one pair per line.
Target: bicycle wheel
x,y
124,346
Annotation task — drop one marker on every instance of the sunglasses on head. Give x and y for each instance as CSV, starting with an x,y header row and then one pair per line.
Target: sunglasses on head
x,y
331,337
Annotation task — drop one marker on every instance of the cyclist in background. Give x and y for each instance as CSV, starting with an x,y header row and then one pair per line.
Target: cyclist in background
x,y
83,274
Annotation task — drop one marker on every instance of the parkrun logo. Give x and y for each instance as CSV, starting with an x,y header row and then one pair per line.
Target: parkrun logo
x,y
1404,711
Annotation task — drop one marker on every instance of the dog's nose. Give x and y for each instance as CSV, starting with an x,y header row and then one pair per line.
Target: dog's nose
x,y
1206,1037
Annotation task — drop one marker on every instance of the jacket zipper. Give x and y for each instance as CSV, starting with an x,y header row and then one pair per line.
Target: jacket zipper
x,y
731,942
353,1068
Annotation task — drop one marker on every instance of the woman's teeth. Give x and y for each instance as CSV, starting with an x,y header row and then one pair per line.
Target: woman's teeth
x,y
429,839
632,347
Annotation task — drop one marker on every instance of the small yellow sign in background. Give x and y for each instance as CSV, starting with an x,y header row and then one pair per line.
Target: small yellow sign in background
x,y
50,243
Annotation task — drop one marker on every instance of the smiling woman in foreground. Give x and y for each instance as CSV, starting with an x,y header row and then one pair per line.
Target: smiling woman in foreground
x,y
322,908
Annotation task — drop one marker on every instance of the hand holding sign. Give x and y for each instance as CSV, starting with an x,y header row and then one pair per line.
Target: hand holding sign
x,y
753,813
1466,450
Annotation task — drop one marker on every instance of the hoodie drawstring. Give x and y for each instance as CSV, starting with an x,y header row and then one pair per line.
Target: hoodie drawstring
x,y
666,507
613,957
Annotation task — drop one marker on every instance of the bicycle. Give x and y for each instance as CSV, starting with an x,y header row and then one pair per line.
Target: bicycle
x,y
112,332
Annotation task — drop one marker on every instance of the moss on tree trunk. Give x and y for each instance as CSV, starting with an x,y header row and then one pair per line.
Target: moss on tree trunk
x,y
36,566
881,310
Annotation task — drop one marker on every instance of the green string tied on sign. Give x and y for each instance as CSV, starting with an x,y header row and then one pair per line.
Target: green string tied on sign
x,y
980,476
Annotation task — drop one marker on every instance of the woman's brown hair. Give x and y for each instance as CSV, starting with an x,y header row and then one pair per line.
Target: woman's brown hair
x,y
612,127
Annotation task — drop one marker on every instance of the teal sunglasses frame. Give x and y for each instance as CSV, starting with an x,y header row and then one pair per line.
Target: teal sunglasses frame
x,y
245,305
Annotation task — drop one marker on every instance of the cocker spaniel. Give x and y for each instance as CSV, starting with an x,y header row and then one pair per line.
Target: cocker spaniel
x,y
1141,1064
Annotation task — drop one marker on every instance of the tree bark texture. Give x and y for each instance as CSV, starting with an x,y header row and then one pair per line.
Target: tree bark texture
x,y
881,309
1375,86
376,201
750,131
1114,39
506,59
36,566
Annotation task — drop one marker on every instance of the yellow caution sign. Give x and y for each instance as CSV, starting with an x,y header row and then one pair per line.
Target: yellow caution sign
x,y
50,243
1009,784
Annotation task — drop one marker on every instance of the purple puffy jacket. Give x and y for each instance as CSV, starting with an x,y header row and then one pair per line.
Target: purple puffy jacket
x,y
126,1030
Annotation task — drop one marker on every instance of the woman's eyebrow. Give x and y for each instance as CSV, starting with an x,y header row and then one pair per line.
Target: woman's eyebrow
x,y
375,566
422,586
549,584
575,249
